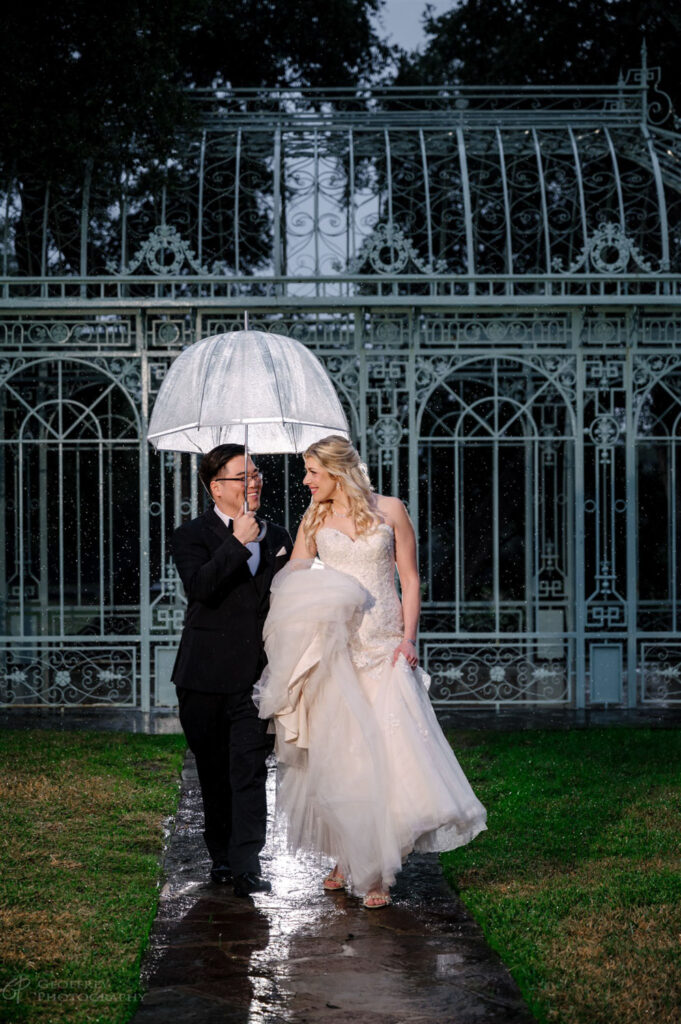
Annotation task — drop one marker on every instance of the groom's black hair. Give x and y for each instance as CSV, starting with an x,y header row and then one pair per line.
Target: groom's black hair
x,y
213,461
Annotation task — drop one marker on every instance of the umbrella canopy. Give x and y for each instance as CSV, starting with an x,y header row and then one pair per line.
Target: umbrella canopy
x,y
264,391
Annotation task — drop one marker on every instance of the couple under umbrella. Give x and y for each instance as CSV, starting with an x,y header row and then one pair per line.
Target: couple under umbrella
x,y
307,641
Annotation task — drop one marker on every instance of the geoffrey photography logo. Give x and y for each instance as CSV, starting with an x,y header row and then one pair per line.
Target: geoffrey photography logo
x,y
22,988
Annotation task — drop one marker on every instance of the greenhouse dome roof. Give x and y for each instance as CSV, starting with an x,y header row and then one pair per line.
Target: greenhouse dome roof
x,y
425,191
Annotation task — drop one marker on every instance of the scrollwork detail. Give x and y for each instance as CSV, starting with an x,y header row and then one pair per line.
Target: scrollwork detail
x,y
163,239
389,251
388,432
67,676
463,675
608,251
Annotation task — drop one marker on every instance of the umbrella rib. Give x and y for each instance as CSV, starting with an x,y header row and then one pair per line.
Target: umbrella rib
x,y
276,382
205,375
246,419
175,430
199,450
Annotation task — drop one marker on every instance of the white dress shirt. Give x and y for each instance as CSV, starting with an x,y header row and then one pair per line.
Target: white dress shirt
x,y
253,545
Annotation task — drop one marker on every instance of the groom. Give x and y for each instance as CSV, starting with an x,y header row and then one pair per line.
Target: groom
x,y
226,566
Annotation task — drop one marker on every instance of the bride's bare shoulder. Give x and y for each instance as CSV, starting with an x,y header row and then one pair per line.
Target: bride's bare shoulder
x,y
390,509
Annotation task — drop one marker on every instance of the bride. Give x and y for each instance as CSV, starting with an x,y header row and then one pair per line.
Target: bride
x,y
365,772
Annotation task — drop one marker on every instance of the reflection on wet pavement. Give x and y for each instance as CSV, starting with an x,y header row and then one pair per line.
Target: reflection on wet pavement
x,y
305,956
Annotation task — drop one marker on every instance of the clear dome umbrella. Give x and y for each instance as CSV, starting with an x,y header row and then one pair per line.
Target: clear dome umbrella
x,y
264,391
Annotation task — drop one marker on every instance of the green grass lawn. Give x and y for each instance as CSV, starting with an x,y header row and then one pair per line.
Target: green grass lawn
x,y
577,883
81,834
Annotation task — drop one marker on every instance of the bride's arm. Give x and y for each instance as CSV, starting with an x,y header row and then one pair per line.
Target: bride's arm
x,y
407,567
301,548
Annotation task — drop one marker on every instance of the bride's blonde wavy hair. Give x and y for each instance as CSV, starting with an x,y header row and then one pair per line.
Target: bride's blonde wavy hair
x,y
341,460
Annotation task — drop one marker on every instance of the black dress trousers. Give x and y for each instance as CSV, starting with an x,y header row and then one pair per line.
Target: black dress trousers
x,y
231,745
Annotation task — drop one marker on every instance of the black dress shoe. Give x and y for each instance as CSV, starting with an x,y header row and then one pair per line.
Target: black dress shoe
x,y
247,883
221,874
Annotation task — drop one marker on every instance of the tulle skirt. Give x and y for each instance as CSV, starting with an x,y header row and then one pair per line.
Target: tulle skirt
x,y
365,772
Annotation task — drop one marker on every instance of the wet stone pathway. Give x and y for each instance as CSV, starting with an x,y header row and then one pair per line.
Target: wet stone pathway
x,y
304,956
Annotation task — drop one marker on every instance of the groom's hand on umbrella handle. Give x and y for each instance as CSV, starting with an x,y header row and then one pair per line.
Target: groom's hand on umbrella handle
x,y
246,528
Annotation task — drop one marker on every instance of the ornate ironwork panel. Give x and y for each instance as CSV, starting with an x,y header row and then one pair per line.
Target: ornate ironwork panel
x,y
428,193
71,552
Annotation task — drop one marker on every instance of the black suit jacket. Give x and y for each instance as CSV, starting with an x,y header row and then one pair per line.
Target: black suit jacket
x,y
221,650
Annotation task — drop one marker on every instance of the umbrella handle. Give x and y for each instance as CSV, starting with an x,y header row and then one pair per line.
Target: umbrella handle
x,y
245,467
261,523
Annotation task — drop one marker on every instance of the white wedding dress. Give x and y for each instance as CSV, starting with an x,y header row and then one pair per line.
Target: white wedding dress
x,y
365,772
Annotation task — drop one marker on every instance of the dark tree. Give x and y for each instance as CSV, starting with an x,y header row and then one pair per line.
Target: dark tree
x,y
498,42
105,85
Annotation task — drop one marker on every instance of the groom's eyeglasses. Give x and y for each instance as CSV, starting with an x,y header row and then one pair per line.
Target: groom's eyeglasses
x,y
240,479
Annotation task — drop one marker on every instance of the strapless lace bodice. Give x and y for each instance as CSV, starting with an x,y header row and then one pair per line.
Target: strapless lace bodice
x,y
370,559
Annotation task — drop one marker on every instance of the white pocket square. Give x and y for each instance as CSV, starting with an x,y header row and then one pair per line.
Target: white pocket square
x,y
281,551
